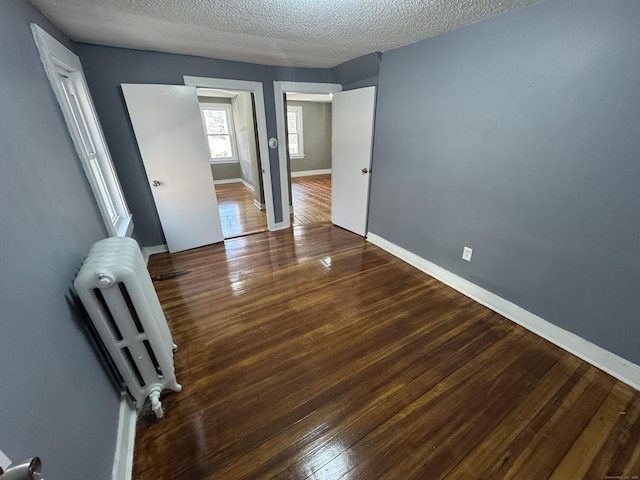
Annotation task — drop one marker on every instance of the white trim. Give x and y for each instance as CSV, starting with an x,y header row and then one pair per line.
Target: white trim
x,y
290,209
280,88
611,363
283,225
65,74
123,459
222,161
297,110
308,173
258,205
4,461
222,181
148,251
261,120
232,130
247,184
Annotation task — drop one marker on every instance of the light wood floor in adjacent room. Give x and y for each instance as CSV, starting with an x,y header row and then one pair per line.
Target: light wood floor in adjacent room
x,y
239,216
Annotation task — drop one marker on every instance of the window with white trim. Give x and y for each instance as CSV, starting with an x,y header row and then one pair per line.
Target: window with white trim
x,y
65,74
294,131
220,131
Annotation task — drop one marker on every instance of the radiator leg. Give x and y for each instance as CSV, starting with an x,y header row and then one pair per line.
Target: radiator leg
x,y
156,405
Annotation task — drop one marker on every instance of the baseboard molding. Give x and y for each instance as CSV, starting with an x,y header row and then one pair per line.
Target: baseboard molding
x,y
123,459
247,184
148,251
290,209
258,205
227,180
281,226
308,173
622,369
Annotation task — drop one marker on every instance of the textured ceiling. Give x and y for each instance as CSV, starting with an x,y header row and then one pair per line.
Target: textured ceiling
x,y
301,33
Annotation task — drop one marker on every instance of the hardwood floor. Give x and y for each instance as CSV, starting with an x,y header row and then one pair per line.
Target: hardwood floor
x,y
238,214
311,354
311,199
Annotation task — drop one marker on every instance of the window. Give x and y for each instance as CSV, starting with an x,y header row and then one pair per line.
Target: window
x,y
218,125
65,74
294,131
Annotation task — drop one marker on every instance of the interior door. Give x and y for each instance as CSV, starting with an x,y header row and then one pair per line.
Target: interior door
x,y
351,145
167,124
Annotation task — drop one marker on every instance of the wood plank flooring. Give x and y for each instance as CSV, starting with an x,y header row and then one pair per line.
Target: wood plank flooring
x,y
311,201
238,214
311,354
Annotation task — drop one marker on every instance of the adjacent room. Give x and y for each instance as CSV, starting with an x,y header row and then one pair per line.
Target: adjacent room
x,y
314,240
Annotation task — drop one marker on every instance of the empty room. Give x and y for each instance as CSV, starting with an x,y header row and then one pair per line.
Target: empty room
x,y
320,240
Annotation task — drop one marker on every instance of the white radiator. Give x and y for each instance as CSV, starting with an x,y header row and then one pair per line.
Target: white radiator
x,y
116,289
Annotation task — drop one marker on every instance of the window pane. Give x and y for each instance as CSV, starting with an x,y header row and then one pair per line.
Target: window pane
x,y
293,143
220,146
216,122
292,122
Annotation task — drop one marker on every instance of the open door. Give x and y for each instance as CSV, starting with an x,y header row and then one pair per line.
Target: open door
x,y
167,124
351,146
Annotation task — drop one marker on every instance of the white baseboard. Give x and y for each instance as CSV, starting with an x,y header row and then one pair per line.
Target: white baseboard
x,y
624,370
227,180
290,209
148,251
247,184
123,459
281,226
258,205
308,173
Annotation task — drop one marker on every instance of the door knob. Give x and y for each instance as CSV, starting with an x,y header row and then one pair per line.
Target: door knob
x,y
365,171
156,183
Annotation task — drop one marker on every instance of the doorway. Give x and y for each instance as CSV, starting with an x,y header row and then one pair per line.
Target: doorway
x,y
309,156
294,94
230,127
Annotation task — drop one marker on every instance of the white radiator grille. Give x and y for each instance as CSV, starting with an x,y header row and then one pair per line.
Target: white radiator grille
x,y
116,289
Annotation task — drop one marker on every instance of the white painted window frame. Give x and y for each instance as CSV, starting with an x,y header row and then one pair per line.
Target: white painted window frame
x,y
64,71
232,130
297,109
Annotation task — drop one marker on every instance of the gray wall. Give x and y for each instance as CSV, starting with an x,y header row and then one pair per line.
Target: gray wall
x,y
358,72
519,136
106,68
316,128
56,400
225,171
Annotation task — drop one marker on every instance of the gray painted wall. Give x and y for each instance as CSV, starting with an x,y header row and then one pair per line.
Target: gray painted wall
x,y
56,400
358,72
225,171
106,68
519,137
316,128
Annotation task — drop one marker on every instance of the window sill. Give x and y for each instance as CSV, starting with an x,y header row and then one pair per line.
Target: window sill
x,y
296,156
125,227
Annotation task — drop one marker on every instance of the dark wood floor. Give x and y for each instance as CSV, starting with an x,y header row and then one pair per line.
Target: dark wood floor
x,y
311,354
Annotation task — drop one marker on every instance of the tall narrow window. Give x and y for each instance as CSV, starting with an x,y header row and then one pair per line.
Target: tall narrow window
x,y
65,74
294,130
218,124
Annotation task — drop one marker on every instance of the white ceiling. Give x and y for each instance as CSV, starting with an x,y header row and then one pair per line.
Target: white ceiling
x,y
300,33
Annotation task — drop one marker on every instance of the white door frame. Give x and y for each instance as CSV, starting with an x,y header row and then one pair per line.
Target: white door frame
x,y
279,89
261,120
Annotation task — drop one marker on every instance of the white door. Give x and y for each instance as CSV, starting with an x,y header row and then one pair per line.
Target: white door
x,y
168,127
351,145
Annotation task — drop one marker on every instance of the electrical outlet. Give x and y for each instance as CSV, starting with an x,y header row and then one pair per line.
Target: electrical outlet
x,y
466,253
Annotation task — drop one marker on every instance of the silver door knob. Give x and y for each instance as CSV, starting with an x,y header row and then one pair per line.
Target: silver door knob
x,y
156,183
365,171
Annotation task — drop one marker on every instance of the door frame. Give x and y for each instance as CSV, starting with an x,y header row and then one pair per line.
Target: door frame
x,y
279,89
261,120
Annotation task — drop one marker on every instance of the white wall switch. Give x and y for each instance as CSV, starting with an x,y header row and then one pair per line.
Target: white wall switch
x,y
466,253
